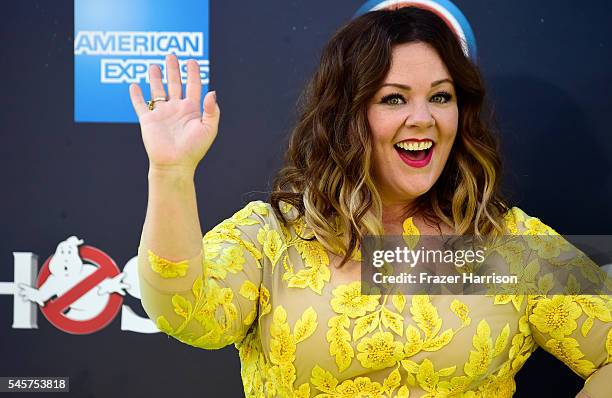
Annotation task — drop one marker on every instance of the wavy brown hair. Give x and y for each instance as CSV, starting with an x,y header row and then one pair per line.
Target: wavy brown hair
x,y
327,174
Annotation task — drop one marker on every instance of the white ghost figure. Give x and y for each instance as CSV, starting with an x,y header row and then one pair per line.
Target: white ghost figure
x,y
67,270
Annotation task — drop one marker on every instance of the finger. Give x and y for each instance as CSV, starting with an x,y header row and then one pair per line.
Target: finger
x,y
212,112
138,101
173,74
194,81
155,82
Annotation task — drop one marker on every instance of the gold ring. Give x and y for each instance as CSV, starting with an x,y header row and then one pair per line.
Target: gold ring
x,y
151,103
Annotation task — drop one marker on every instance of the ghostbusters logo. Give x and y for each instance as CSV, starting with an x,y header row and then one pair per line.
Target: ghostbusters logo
x,y
79,289
87,296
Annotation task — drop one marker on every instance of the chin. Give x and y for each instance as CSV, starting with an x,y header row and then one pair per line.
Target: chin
x,y
416,190
416,194
412,193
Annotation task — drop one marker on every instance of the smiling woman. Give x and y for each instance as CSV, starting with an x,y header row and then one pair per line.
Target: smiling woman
x,y
392,139
387,82
417,121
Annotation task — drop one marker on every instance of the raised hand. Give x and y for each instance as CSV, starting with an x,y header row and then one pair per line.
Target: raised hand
x,y
175,133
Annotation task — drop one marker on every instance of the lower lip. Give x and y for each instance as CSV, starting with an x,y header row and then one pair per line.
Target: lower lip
x,y
415,163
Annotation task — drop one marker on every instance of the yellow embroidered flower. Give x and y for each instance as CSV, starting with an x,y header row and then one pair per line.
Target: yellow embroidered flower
x,y
522,345
242,215
568,351
361,387
403,392
349,300
227,294
425,314
379,351
249,290
211,250
272,244
313,277
556,316
282,378
312,252
498,387
285,207
547,247
231,260
264,301
537,227
481,357
510,219
323,380
305,326
338,338
410,233
454,387
594,307
166,268
462,311
282,345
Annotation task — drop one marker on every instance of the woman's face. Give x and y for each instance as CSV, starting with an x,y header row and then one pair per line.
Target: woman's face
x,y
413,118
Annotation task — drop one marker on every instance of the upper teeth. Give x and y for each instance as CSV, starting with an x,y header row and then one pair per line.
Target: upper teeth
x,y
415,146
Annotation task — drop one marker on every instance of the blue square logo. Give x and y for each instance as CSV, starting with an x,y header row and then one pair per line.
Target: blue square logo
x,y
115,41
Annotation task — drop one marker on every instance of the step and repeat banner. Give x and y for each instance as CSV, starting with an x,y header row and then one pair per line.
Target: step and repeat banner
x,y
74,170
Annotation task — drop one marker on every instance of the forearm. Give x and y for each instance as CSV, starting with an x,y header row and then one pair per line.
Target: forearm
x,y
172,226
170,252
599,385
171,232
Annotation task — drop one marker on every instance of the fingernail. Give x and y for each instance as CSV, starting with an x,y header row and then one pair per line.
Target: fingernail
x,y
214,94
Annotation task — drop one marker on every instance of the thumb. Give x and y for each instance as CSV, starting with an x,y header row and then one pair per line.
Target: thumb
x,y
212,112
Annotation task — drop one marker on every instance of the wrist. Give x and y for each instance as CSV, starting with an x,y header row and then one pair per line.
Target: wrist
x,y
171,173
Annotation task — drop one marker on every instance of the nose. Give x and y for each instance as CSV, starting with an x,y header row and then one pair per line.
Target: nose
x,y
420,116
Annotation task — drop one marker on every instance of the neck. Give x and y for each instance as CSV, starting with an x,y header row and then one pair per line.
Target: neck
x,y
394,214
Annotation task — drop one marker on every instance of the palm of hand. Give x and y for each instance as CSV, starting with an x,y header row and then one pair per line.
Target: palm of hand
x,y
175,134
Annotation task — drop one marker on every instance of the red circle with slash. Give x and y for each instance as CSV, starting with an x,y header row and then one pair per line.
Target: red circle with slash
x,y
53,309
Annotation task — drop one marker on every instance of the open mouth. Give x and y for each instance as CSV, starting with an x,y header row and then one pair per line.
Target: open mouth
x,y
416,154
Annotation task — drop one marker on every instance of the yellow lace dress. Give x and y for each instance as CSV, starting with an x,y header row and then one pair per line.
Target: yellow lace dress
x,y
302,333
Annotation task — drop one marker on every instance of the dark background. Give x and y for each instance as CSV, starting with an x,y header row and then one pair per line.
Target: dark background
x,y
547,66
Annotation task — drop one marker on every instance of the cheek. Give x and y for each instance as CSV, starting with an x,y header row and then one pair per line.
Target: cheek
x,y
447,123
384,124
382,131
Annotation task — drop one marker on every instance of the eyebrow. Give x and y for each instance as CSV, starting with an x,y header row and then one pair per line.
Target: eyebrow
x,y
405,87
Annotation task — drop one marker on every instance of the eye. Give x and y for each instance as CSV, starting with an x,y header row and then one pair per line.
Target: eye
x,y
442,97
392,99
